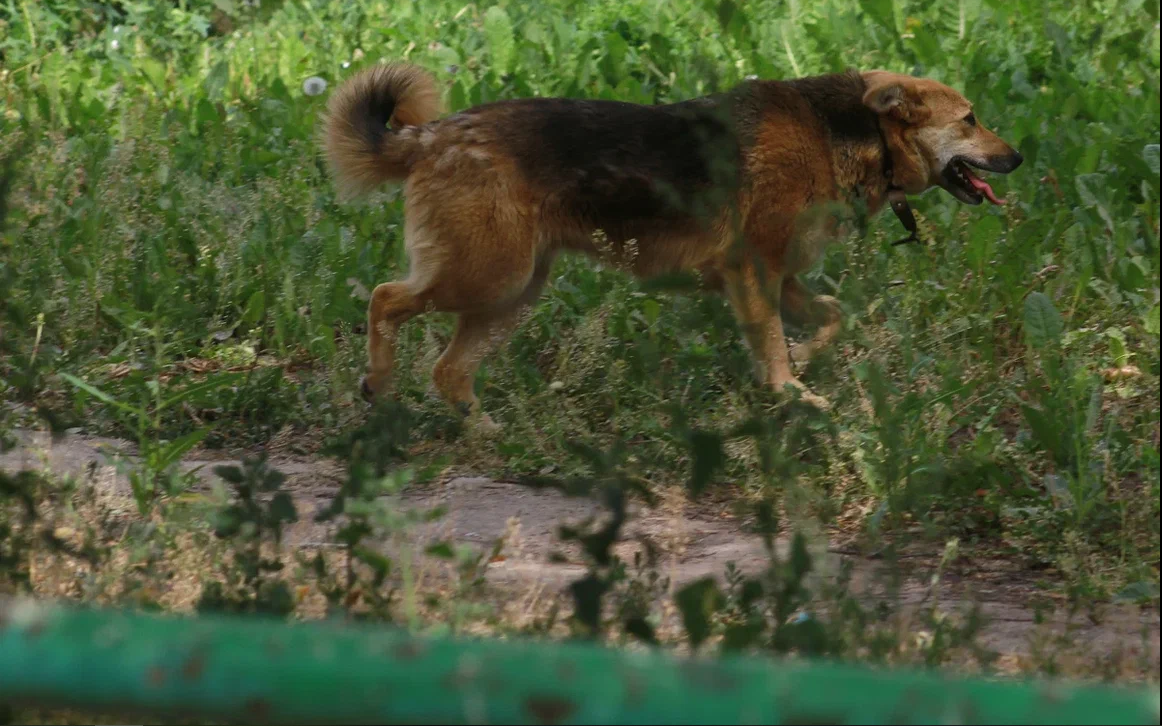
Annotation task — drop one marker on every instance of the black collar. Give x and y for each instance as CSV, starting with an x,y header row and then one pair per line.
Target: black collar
x,y
896,197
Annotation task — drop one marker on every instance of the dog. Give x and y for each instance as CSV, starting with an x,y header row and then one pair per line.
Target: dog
x,y
729,186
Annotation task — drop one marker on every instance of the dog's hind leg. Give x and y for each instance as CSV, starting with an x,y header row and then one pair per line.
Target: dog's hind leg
x,y
803,307
479,334
753,308
392,304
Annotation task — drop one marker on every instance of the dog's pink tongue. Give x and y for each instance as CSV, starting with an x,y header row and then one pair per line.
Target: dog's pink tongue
x,y
983,187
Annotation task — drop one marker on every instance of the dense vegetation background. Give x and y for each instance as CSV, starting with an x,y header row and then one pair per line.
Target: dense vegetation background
x,y
175,269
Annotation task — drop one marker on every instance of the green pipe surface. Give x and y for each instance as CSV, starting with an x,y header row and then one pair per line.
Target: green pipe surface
x,y
256,670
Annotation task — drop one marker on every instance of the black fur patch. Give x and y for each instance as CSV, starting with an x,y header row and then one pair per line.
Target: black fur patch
x,y
627,167
371,116
616,163
838,101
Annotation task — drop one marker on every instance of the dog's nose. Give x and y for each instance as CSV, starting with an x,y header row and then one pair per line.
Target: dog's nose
x,y
1017,158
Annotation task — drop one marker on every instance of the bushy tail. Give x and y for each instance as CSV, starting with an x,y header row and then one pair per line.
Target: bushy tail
x,y
361,150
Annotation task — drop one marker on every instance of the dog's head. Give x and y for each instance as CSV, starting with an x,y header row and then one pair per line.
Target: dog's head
x,y
934,137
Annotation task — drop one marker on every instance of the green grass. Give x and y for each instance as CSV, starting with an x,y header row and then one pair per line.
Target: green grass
x,y
172,238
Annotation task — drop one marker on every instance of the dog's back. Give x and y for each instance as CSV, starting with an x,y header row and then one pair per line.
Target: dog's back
x,y
621,167
611,163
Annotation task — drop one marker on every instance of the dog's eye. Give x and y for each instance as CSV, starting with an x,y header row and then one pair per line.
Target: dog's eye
x,y
970,119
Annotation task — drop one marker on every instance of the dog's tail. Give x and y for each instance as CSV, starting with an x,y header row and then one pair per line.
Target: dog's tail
x,y
361,150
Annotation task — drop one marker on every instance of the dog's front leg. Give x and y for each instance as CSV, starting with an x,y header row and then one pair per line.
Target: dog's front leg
x,y
779,362
756,307
752,312
803,307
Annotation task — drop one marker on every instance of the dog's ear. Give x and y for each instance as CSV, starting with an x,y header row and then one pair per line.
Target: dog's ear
x,y
895,96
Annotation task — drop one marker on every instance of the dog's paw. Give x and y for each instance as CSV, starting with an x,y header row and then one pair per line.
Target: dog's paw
x,y
475,420
480,425
793,388
814,399
365,390
483,425
801,352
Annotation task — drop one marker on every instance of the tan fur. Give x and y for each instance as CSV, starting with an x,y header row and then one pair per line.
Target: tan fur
x,y
358,168
488,208
922,121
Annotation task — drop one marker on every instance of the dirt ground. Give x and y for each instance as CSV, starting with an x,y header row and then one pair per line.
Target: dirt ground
x,y
695,541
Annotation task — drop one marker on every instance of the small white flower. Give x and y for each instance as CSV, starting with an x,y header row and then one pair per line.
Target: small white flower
x,y
115,44
346,64
314,85
116,28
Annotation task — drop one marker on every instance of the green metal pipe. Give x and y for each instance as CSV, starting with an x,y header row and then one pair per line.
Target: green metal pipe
x,y
264,671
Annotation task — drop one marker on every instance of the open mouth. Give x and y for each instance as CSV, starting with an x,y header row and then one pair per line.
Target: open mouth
x,y
965,185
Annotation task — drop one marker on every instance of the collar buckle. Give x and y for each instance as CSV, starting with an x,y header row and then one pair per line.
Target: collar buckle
x,y
899,203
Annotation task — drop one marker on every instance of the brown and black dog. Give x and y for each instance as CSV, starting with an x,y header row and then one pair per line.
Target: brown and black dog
x,y
495,192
